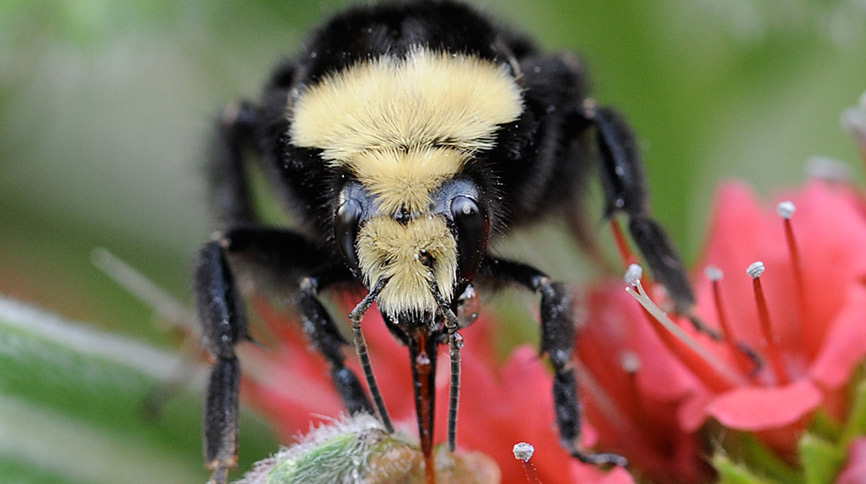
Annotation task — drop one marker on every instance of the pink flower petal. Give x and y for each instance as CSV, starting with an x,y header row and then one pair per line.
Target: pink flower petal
x,y
693,412
855,469
589,474
845,344
760,408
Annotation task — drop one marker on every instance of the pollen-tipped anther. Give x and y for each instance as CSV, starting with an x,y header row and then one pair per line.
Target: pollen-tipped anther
x,y
755,269
713,273
633,274
786,209
630,362
523,451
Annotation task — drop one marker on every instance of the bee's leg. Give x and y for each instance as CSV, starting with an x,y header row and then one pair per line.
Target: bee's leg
x,y
290,262
234,142
224,325
321,330
557,342
220,308
625,190
232,138
270,256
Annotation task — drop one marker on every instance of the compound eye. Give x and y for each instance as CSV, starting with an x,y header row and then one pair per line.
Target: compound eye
x,y
472,231
346,225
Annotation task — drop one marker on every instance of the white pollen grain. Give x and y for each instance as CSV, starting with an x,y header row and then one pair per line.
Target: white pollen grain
x,y
786,209
630,362
755,269
523,451
633,274
713,273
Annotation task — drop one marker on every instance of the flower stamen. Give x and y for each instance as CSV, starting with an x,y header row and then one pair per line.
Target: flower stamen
x,y
786,210
714,274
523,452
747,359
769,342
630,363
685,347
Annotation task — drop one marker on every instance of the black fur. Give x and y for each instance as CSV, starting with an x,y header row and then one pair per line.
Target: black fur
x,y
366,32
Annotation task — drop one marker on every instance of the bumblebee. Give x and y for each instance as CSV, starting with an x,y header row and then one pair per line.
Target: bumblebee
x,y
404,137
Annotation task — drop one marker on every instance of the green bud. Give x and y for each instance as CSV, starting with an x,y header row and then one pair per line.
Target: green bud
x,y
359,450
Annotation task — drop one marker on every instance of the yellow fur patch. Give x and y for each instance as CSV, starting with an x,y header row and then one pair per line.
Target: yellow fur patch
x,y
427,99
387,248
405,179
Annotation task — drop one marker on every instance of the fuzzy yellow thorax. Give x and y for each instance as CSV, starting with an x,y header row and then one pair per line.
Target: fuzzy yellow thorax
x,y
426,99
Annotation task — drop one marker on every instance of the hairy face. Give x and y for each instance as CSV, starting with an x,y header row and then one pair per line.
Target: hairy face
x,y
409,255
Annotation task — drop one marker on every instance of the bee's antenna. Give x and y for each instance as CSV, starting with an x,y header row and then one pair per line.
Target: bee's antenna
x,y
361,348
455,342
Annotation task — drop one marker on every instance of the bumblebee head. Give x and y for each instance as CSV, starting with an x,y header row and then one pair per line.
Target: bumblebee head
x,y
404,128
438,248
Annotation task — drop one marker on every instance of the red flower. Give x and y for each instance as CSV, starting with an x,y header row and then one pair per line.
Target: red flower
x,y
650,388
812,333
500,405
802,317
633,386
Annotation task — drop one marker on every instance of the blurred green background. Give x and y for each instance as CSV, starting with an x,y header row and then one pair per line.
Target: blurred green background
x,y
105,109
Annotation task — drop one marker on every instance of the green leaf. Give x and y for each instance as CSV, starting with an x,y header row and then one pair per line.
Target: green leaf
x,y
856,424
821,459
731,472
18,472
759,456
825,426
71,406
